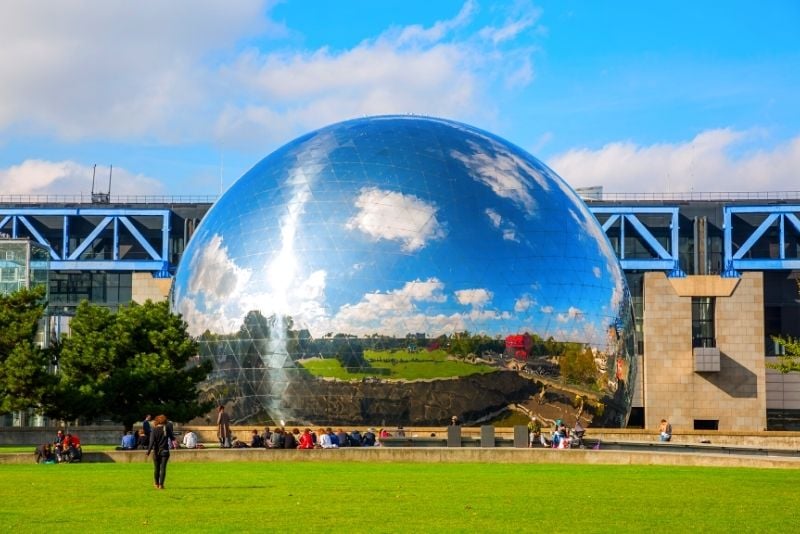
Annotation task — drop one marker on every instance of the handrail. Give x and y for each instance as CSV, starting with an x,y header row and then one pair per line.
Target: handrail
x,y
86,198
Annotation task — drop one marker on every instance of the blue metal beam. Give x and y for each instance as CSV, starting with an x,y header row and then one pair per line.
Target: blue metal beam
x,y
663,259
89,239
140,238
68,259
104,265
735,261
36,235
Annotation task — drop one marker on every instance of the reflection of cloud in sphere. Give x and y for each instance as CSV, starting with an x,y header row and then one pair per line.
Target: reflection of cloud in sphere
x,y
401,238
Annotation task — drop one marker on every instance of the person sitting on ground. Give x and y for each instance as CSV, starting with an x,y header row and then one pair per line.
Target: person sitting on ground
x,y
343,438
534,431
368,440
128,441
266,437
44,454
189,440
664,431
306,442
72,448
325,441
290,439
354,439
334,437
276,439
58,445
256,441
142,441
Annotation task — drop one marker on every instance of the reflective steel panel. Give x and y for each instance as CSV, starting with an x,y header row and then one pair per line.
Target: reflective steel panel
x,y
401,270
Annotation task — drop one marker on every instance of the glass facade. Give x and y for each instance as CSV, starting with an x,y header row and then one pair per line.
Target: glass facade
x,y
401,270
22,264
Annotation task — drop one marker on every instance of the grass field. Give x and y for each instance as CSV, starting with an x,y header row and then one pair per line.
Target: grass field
x,y
396,497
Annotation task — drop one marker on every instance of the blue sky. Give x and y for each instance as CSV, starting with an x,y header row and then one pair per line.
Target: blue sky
x,y
184,96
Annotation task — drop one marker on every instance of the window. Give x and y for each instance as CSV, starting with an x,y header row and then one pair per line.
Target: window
x,y
706,424
703,334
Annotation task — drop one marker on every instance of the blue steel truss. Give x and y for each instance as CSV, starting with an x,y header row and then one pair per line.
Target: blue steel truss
x,y
663,259
20,221
774,216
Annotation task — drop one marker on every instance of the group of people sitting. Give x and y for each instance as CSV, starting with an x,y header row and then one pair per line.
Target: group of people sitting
x,y
560,437
324,438
64,448
133,440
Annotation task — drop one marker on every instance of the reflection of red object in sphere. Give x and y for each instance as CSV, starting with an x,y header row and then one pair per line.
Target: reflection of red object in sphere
x,y
621,369
520,345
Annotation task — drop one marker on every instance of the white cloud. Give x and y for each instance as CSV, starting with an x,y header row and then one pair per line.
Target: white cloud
x,y
596,271
573,314
474,297
512,27
214,275
524,303
37,177
507,228
506,173
116,68
715,160
396,217
443,70
546,309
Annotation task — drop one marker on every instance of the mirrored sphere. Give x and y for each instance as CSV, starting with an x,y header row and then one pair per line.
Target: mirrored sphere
x,y
400,270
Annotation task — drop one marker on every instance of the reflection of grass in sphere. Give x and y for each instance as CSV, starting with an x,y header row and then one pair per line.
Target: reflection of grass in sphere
x,y
398,365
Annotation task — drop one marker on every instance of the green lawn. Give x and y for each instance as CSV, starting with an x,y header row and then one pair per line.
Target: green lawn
x,y
437,355
396,497
407,370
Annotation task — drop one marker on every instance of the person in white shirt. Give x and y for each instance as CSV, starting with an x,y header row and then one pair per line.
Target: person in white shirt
x,y
189,440
325,440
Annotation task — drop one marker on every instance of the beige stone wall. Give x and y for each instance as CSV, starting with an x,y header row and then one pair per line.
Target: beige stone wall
x,y
144,286
736,395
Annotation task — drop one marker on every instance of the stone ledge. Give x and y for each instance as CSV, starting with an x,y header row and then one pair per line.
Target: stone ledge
x,y
441,455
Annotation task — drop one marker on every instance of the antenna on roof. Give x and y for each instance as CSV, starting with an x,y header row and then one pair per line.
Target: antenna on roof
x,y
101,198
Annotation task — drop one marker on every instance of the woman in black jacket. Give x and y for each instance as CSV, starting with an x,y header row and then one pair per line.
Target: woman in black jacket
x,y
160,440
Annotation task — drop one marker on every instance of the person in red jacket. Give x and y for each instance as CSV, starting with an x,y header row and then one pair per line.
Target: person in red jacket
x,y
306,441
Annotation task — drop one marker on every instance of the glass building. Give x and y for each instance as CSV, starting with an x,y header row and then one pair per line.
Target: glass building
x,y
23,264
401,270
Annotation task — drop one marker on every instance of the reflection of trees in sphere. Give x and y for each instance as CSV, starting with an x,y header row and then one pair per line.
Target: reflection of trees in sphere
x,y
397,270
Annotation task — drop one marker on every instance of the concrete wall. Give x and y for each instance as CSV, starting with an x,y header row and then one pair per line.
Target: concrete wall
x,y
441,455
144,286
735,395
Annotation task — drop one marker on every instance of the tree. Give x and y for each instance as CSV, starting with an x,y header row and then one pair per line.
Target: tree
x,y
140,360
24,378
789,362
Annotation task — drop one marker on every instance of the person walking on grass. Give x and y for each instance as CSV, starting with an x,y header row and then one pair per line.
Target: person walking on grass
x,y
160,439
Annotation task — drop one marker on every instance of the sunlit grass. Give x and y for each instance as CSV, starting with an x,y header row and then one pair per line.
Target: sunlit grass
x,y
396,497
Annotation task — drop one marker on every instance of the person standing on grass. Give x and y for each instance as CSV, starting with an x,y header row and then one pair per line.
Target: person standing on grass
x,y
223,427
160,439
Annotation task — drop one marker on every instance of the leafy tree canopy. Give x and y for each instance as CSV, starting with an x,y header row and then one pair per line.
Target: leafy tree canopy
x,y
24,379
140,360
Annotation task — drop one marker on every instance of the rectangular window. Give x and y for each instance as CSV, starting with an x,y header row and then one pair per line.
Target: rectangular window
x,y
703,333
706,424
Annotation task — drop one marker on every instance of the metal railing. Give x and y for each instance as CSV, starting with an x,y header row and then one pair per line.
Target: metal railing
x,y
86,198
695,195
